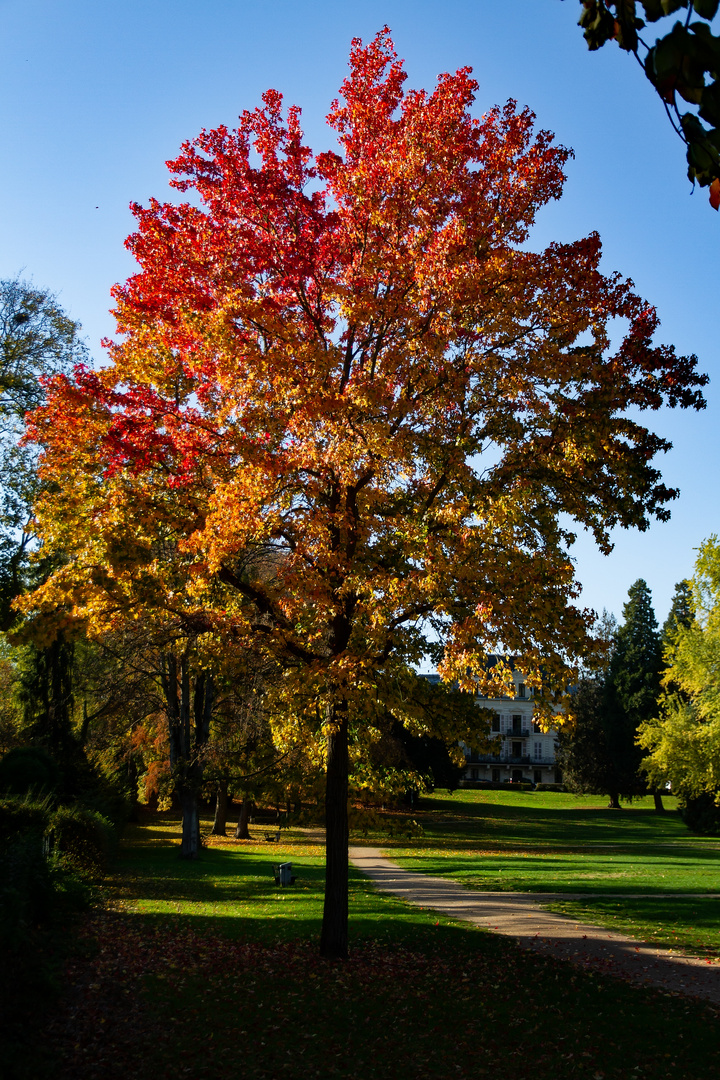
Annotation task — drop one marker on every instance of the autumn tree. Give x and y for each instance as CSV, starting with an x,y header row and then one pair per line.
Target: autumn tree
x,y
364,410
683,65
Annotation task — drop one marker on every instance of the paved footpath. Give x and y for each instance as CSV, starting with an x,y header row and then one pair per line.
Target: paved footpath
x,y
521,916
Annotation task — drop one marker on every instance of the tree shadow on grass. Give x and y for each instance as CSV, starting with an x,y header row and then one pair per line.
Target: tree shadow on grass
x,y
461,823
415,997
659,871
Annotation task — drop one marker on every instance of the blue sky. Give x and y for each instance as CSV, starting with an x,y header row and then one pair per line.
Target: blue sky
x,y
96,96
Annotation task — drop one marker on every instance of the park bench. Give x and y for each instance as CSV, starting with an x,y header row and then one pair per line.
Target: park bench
x,y
272,837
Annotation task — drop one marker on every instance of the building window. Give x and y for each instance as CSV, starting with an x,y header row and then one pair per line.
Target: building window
x,y
537,730
473,774
521,689
537,776
496,776
537,751
495,722
516,725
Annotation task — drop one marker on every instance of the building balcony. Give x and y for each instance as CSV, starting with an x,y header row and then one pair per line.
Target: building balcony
x,y
508,759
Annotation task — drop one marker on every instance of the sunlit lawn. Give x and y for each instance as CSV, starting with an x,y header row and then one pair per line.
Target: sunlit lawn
x,y
560,843
208,969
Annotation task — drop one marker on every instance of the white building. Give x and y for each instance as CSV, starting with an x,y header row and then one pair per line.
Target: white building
x,y
521,750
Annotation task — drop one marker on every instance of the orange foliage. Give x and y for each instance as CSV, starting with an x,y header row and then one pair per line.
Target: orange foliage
x,y
351,410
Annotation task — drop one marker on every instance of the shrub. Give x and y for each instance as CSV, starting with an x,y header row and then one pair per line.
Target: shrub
x,y
28,769
83,837
23,815
26,885
701,813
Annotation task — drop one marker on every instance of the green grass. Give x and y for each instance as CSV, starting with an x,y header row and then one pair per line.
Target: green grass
x,y
209,970
689,924
553,842
550,842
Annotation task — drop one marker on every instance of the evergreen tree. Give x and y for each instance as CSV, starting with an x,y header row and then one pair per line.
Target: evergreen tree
x,y
601,754
632,690
680,618
582,750
681,615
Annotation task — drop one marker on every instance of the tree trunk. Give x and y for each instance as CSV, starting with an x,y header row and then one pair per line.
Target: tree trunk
x,y
334,936
242,833
221,810
659,808
190,843
188,727
614,803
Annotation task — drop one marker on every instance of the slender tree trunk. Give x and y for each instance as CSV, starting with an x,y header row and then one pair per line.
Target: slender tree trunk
x,y
242,833
190,843
614,803
188,728
659,808
221,810
334,936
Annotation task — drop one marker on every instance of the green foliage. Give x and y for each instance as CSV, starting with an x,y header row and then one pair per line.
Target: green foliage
x,y
38,892
684,63
36,339
84,838
29,769
682,740
701,814
29,814
26,884
680,617
599,753
45,691
636,661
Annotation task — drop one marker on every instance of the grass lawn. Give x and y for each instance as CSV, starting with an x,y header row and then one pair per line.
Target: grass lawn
x,y
559,843
209,969
690,924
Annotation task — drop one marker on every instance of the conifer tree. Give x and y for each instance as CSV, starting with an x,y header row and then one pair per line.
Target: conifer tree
x,y
632,690
601,753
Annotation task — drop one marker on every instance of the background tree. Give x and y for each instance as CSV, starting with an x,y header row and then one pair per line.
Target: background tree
x,y
632,689
356,363
600,754
683,738
582,749
684,64
582,752
37,341
680,618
